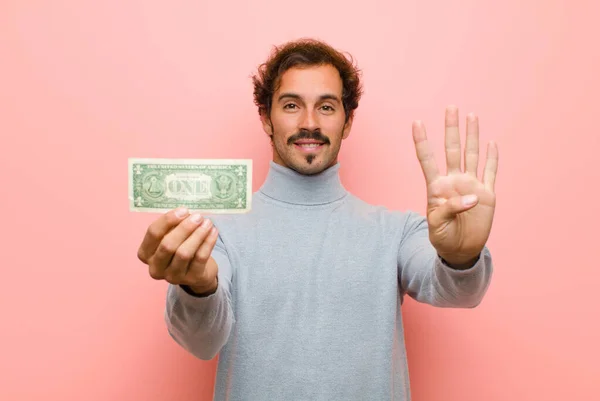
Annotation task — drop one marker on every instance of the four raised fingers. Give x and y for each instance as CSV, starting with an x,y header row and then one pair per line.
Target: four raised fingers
x,y
453,149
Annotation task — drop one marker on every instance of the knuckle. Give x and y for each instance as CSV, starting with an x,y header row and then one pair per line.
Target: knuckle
x,y
155,274
167,247
184,254
203,255
142,255
200,256
153,232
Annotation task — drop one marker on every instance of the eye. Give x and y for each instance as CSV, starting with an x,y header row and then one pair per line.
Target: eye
x,y
289,106
327,108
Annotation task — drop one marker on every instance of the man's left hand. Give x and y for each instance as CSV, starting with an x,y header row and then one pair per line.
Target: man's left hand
x,y
460,206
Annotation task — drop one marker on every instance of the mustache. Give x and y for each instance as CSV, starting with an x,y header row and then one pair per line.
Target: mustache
x,y
307,134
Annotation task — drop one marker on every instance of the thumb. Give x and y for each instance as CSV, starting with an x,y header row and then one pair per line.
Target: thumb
x,y
456,205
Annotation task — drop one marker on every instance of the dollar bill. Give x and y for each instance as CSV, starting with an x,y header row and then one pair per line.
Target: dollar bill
x,y
205,185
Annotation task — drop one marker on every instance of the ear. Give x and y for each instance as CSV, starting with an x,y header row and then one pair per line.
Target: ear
x,y
347,128
266,123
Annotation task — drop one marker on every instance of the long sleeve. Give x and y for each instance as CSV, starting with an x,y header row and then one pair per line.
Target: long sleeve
x,y
427,279
202,325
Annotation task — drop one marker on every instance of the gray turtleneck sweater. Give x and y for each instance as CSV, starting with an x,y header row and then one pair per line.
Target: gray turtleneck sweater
x,y
311,283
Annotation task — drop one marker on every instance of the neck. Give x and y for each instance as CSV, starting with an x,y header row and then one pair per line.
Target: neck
x,y
286,185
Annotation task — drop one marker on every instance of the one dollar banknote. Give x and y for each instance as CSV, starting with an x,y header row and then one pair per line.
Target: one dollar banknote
x,y
216,186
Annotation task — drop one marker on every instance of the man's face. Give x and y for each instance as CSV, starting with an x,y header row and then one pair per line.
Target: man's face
x,y
307,118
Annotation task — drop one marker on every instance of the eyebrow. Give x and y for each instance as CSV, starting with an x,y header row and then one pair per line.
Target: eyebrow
x,y
326,96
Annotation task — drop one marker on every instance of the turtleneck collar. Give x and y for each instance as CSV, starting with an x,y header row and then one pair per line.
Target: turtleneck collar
x,y
287,185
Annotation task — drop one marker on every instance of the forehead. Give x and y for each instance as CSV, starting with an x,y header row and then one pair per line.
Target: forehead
x,y
313,80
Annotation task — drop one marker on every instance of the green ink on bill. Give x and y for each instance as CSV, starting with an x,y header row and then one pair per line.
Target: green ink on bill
x,y
218,186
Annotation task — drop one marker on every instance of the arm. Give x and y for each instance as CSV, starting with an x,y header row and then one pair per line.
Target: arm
x,y
426,278
460,212
202,324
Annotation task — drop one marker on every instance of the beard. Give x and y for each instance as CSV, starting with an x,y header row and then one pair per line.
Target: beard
x,y
307,166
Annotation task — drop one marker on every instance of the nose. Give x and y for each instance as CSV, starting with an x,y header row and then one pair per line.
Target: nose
x,y
309,120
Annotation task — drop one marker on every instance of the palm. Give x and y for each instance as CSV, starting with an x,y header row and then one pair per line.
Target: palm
x,y
458,232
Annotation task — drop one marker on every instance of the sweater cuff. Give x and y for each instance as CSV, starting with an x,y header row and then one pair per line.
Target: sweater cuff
x,y
477,265
196,301
188,290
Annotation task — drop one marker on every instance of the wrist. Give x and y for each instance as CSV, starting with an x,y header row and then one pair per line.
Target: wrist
x,y
202,290
459,263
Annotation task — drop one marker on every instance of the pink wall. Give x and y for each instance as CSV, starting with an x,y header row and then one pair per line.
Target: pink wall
x,y
85,85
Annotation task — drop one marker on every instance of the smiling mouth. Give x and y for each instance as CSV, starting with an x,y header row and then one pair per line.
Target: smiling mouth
x,y
308,146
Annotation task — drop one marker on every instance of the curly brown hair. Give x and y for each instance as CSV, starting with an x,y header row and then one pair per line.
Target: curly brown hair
x,y
306,52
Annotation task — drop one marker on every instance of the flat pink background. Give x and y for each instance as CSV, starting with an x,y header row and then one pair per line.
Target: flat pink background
x,y
86,84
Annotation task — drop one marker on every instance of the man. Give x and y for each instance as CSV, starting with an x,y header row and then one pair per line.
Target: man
x,y
301,297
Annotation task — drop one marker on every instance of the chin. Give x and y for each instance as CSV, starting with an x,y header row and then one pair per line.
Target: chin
x,y
303,163
303,167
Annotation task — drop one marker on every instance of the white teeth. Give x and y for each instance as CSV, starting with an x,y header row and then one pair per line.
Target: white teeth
x,y
310,145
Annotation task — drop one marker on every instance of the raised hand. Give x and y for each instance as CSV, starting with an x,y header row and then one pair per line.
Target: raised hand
x,y
460,206
177,248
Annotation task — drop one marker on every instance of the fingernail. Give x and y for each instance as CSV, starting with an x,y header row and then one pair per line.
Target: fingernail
x,y
182,211
195,218
205,223
469,199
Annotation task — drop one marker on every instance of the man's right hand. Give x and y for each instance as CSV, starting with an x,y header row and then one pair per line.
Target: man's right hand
x,y
177,248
